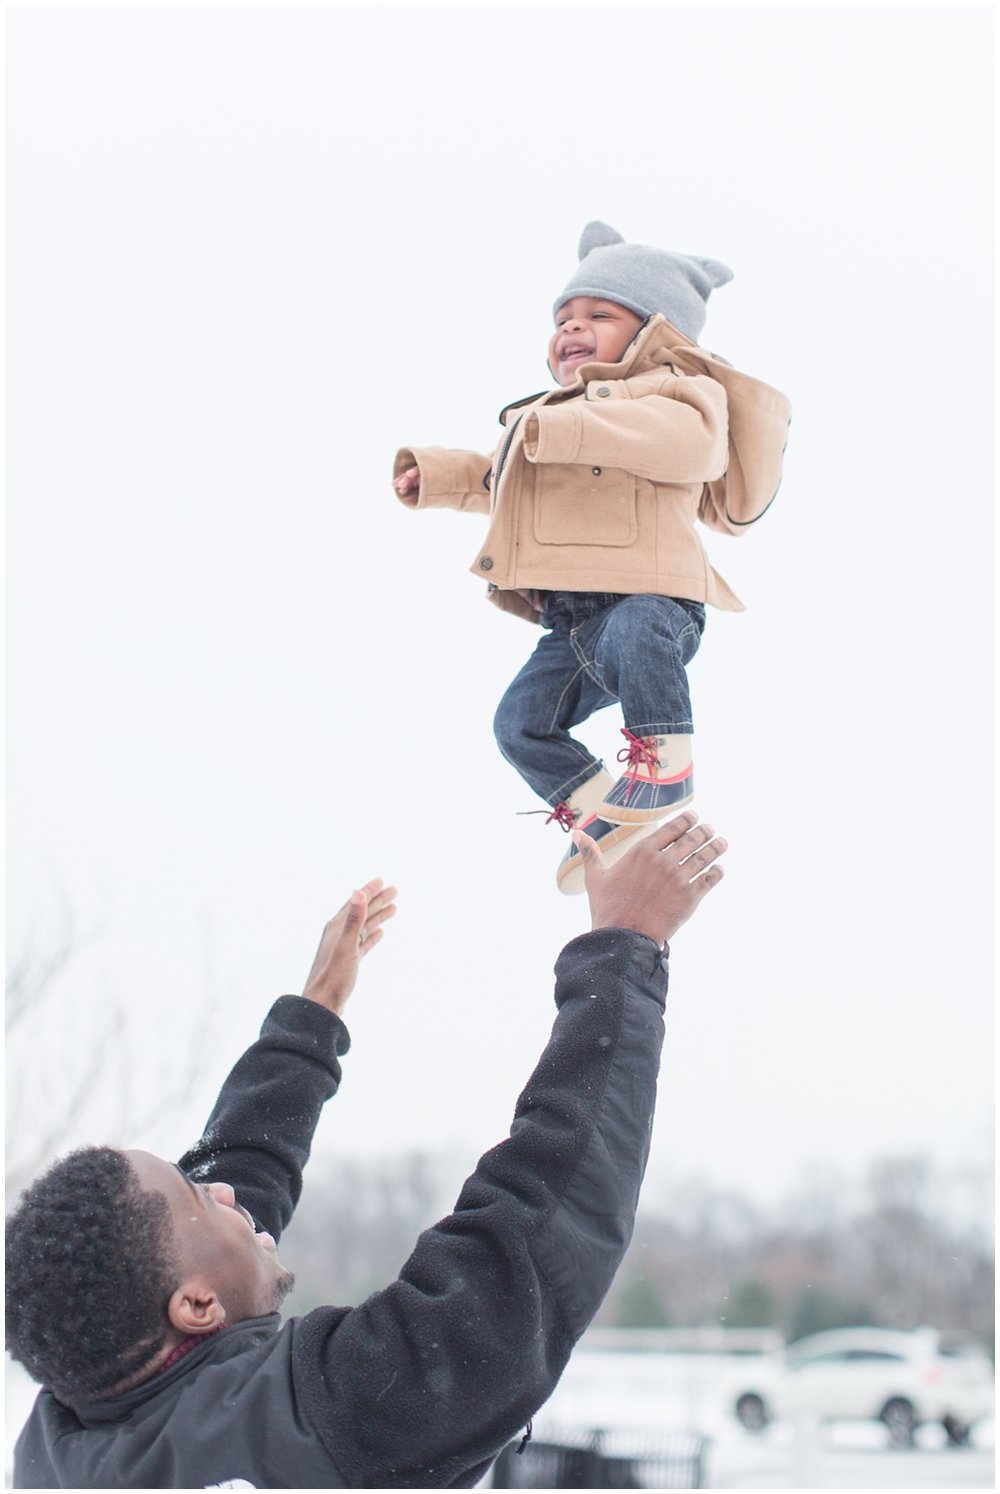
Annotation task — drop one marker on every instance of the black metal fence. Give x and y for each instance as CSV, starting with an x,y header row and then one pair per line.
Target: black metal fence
x,y
628,1459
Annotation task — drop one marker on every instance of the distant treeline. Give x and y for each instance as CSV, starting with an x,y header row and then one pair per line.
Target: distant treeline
x,y
902,1247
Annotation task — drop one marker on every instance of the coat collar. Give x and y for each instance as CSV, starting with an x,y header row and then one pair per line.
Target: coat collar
x,y
650,349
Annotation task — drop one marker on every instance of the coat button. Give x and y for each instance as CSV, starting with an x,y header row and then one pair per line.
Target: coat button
x,y
486,564
603,392
596,471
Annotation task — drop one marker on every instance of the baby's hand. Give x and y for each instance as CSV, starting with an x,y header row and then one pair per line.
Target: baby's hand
x,y
408,482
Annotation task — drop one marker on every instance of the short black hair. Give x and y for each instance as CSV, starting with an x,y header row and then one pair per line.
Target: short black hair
x,y
90,1271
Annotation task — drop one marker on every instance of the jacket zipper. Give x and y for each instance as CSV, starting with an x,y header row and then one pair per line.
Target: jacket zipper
x,y
498,469
495,485
503,458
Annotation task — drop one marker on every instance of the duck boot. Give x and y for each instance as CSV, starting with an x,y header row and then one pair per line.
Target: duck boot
x,y
657,781
580,810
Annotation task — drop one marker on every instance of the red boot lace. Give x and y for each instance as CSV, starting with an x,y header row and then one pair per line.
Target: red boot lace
x,y
564,817
637,754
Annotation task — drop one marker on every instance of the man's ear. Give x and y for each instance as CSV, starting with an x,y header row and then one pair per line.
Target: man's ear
x,y
194,1307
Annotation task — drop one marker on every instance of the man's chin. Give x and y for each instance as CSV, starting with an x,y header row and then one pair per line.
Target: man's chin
x,y
283,1287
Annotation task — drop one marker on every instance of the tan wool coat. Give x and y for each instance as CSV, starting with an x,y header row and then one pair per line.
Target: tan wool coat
x,y
596,486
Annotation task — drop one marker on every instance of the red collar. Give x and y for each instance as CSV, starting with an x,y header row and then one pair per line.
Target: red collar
x,y
185,1347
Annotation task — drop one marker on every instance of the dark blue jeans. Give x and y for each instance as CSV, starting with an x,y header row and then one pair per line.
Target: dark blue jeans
x,y
599,647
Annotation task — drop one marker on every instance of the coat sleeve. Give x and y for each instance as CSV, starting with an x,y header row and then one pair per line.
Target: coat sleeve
x,y
260,1132
759,418
448,479
750,484
676,432
423,1384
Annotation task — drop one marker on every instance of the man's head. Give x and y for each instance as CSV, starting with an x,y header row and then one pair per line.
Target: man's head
x,y
90,1268
114,1258
227,1270
644,280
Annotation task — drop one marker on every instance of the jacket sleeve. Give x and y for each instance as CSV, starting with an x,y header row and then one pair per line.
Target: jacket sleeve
x,y
260,1132
675,431
759,418
423,1384
750,484
448,479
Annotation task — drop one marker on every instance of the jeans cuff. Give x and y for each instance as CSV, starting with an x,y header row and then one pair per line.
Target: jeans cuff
x,y
577,781
663,729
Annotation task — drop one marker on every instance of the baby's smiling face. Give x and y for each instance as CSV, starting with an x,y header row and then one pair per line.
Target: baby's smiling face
x,y
589,331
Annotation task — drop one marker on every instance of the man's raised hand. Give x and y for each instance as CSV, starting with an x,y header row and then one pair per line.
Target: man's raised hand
x,y
350,935
658,884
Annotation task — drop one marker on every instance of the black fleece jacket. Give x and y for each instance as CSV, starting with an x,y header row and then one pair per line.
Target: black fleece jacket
x,y
424,1383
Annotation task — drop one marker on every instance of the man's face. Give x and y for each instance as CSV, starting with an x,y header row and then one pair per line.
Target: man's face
x,y
589,331
215,1238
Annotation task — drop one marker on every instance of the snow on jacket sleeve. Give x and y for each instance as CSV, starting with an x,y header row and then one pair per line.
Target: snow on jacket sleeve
x,y
664,428
448,479
260,1132
423,1384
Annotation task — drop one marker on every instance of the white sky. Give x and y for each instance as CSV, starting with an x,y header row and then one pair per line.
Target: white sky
x,y
250,251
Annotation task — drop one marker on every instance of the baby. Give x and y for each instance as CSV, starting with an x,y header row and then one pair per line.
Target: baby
x,y
592,497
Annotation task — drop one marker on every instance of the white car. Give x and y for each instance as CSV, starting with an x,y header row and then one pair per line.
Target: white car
x,y
873,1374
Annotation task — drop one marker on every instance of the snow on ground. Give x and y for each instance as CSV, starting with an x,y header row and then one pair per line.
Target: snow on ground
x,y
693,1392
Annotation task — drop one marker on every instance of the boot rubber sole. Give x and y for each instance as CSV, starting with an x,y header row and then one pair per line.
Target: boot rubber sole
x,y
614,844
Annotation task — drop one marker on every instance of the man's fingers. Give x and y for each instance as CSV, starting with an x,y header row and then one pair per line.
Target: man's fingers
x,y
692,839
682,841
377,896
714,875
588,848
356,910
371,938
379,916
696,861
657,884
381,900
374,899
378,905
366,907
668,834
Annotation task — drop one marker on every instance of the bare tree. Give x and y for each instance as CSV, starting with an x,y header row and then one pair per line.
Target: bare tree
x,y
359,1220
71,1054
889,1248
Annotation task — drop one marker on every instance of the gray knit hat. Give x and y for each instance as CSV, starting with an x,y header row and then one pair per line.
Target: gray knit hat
x,y
643,279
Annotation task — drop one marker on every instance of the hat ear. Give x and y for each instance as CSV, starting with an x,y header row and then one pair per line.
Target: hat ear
x,y
717,272
597,235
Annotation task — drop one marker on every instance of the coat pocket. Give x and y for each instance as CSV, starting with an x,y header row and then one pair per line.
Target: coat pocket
x,y
578,505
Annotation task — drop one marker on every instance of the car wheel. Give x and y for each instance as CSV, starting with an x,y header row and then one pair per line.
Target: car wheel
x,y
752,1413
958,1431
900,1421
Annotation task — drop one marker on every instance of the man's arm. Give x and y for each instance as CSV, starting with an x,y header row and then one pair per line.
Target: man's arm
x,y
260,1132
423,1384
